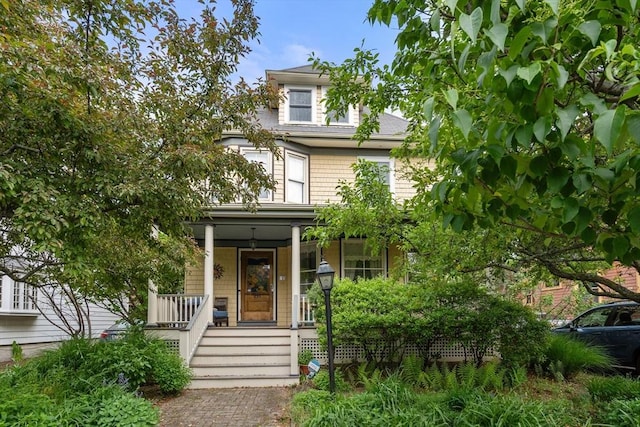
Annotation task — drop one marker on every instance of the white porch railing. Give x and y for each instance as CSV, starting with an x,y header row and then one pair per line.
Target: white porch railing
x,y
306,311
177,310
186,313
190,336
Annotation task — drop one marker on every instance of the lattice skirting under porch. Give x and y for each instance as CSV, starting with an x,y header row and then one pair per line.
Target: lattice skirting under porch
x,y
442,350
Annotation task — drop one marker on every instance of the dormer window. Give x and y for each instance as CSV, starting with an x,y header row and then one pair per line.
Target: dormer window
x,y
300,104
346,119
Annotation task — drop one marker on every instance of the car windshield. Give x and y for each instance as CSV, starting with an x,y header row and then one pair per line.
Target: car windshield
x,y
594,318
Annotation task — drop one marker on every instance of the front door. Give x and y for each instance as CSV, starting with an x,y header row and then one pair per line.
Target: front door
x,y
257,285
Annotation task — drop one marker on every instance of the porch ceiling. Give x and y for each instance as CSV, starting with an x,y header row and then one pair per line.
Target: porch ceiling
x,y
272,223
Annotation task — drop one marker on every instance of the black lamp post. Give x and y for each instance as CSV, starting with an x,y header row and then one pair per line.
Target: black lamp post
x,y
325,275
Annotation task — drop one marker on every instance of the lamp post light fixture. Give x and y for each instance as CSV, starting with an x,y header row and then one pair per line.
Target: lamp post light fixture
x,y
325,275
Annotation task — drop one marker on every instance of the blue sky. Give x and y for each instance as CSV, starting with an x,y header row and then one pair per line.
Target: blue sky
x,y
292,29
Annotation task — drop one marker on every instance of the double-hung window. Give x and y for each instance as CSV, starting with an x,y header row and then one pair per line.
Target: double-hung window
x,y
264,159
385,168
300,104
359,262
335,118
297,178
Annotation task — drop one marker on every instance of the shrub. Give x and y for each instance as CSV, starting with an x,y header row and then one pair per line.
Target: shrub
x,y
321,381
615,387
565,357
168,369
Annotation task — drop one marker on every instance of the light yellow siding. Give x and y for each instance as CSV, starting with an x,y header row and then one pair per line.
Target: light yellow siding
x,y
326,172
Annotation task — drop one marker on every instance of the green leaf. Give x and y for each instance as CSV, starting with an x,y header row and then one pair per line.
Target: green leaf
x,y
462,120
607,128
428,108
524,134
544,29
451,96
632,92
633,126
541,128
539,166
554,5
634,220
508,166
591,29
570,209
434,128
451,4
498,35
582,182
518,42
529,73
562,75
620,246
557,178
509,74
521,4
471,24
566,117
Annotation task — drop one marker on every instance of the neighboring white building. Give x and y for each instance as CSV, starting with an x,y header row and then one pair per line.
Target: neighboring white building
x,y
20,320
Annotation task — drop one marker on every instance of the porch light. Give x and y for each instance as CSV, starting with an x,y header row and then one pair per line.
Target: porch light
x,y
325,274
252,241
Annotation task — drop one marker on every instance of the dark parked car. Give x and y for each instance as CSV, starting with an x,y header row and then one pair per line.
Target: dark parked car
x,y
614,326
117,330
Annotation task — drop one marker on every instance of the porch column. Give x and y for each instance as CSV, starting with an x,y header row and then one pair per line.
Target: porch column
x,y
152,292
295,274
208,270
295,295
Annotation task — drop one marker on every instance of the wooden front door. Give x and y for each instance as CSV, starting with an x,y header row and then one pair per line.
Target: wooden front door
x,y
257,285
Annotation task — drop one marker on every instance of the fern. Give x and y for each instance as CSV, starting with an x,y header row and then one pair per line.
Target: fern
x,y
411,369
467,374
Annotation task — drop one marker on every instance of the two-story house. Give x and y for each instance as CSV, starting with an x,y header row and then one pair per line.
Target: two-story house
x,y
267,267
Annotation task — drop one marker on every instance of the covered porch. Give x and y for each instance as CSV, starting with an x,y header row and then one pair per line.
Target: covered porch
x,y
256,269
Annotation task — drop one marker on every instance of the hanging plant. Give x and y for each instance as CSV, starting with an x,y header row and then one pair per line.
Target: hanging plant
x,y
218,271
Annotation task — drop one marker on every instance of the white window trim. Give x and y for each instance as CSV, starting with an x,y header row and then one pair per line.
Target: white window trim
x,y
350,113
343,252
314,104
392,168
305,187
7,302
268,168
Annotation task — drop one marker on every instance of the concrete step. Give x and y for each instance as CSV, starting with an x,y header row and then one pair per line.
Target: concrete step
x,y
244,341
240,358
240,369
250,381
233,350
246,332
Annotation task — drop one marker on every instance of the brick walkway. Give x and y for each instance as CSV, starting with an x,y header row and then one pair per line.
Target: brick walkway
x,y
234,407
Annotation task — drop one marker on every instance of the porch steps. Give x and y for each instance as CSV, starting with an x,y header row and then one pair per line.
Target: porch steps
x,y
243,357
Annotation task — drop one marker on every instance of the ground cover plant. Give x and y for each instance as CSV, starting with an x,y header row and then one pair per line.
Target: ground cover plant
x,y
472,396
91,383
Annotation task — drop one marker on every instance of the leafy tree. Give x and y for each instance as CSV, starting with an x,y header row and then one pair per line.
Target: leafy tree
x,y
530,110
110,118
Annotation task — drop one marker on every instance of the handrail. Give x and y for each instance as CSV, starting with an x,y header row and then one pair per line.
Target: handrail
x,y
306,311
191,334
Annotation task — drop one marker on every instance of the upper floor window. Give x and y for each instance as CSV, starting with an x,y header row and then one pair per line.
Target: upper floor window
x,y
385,168
264,159
300,103
296,174
17,297
335,118
358,261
